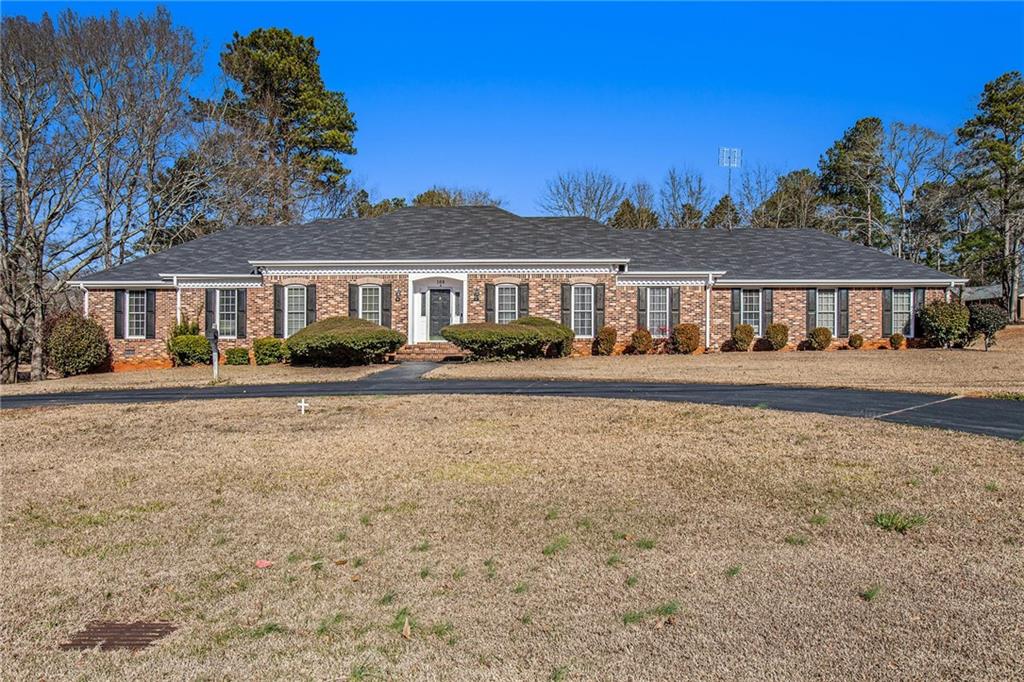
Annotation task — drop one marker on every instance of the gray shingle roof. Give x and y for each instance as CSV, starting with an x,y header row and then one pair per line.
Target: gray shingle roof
x,y
483,232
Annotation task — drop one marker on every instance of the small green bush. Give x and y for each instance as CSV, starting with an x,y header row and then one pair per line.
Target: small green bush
x,y
236,356
556,336
685,338
742,337
856,341
820,338
986,321
342,341
641,342
268,350
604,342
190,349
76,345
945,324
896,341
777,335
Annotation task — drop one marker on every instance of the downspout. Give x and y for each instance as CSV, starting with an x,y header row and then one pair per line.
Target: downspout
x,y
85,300
707,312
177,300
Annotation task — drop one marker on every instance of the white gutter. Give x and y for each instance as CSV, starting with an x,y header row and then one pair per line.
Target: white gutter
x,y
110,284
840,282
428,263
204,276
674,273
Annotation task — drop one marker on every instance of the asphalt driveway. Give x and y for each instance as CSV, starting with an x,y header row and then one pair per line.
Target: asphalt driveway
x,y
1000,418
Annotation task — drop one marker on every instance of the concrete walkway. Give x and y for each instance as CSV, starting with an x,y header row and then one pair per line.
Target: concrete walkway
x,y
1001,418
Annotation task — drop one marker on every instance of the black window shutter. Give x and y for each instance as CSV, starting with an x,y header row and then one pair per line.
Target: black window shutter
x,y
353,300
242,297
736,297
119,301
385,305
767,308
886,312
311,304
150,313
211,309
673,307
844,313
598,306
524,300
489,302
812,309
641,307
918,306
567,305
279,311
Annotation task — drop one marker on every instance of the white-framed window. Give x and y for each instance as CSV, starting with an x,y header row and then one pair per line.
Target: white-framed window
x,y
294,309
135,312
902,306
583,310
826,310
369,303
657,311
750,309
227,313
507,304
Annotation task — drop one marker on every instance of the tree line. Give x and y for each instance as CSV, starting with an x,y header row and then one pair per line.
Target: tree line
x,y
950,201
108,155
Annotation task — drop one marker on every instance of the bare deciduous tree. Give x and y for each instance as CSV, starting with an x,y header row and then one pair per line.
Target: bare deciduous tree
x,y
684,199
590,193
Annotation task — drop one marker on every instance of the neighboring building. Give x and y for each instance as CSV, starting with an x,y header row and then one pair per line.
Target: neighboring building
x,y
993,293
419,269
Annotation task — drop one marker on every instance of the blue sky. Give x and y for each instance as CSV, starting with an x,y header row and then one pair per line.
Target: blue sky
x,y
503,96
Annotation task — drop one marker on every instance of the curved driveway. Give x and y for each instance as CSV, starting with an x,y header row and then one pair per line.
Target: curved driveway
x,y
1001,418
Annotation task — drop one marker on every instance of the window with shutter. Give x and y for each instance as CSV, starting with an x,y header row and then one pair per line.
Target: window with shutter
x,y
507,303
583,310
826,310
657,311
227,313
136,315
294,309
750,309
369,303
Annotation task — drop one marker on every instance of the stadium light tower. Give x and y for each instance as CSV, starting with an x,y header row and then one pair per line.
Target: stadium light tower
x,y
729,157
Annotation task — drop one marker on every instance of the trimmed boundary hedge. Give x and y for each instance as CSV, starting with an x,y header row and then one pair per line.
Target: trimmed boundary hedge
x,y
527,337
341,341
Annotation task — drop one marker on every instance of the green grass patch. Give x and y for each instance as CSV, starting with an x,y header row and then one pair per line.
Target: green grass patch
x,y
490,568
662,611
387,599
733,571
819,520
645,543
1007,395
520,588
556,545
422,547
631,580
871,593
613,560
328,624
898,522
267,629
551,515
992,487
797,540
559,674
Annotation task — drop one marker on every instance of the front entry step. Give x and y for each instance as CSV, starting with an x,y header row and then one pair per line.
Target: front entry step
x,y
430,352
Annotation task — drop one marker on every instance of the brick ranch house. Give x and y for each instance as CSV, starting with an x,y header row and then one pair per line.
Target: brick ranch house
x,y
419,269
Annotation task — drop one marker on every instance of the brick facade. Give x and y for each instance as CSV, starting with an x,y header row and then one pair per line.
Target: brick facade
x,y
789,308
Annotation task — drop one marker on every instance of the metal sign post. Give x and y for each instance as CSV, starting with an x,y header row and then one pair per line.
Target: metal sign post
x,y
213,336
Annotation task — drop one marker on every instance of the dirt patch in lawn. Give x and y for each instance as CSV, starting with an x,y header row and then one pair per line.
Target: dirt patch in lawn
x,y
509,538
191,377
969,371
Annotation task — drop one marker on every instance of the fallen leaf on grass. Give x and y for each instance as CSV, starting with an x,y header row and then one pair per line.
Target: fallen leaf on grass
x,y
264,563
341,562
406,630
355,578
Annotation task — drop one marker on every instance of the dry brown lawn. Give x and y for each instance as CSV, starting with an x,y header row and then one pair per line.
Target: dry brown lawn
x,y
971,371
522,538
190,377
